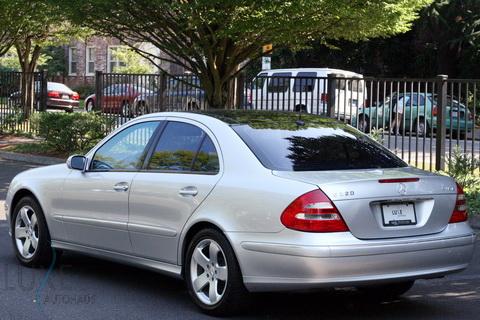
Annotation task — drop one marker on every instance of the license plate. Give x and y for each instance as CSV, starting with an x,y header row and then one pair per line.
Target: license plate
x,y
399,214
65,96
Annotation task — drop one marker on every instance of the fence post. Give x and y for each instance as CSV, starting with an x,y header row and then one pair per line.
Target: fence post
x,y
441,84
162,90
240,92
43,90
331,94
98,90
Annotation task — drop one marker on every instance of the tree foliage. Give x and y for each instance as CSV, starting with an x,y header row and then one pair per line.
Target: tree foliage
x,y
30,25
132,62
444,40
214,38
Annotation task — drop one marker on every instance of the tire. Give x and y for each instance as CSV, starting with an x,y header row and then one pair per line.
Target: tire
x,y
300,108
386,292
229,292
142,109
193,105
125,111
29,216
69,110
363,124
422,128
457,134
89,106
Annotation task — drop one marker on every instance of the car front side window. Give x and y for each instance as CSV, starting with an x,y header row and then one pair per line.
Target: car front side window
x,y
126,150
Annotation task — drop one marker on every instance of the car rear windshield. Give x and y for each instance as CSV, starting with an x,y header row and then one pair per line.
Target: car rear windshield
x,y
298,146
54,86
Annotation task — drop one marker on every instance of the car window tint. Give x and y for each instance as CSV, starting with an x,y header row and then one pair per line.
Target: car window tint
x,y
305,82
177,147
125,150
286,148
207,158
279,82
259,81
54,86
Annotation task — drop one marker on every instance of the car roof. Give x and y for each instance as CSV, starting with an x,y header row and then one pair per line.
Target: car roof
x,y
257,118
322,70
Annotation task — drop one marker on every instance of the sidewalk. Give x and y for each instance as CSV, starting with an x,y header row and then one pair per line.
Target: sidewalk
x,y
9,140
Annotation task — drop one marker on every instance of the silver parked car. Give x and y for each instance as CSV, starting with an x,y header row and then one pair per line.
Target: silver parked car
x,y
238,201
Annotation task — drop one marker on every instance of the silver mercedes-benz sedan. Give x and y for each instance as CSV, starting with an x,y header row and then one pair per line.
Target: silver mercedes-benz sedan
x,y
238,201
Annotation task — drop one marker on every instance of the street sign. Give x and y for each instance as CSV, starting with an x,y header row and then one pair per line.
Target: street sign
x,y
267,48
266,63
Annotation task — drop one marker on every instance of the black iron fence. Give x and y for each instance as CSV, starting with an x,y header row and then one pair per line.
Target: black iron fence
x,y
13,112
421,120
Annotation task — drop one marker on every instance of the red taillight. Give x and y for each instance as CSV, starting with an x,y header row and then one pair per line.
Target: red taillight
x,y
75,96
313,212
460,211
54,94
434,111
324,97
399,180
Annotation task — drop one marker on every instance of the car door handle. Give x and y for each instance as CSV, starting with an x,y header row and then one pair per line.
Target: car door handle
x,y
121,186
188,191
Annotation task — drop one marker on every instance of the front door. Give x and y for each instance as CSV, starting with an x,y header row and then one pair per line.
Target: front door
x,y
182,170
95,203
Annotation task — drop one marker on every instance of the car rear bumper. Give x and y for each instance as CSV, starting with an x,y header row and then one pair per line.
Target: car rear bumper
x,y
53,103
295,260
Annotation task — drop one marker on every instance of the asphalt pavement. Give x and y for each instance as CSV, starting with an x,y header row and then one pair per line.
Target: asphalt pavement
x,y
84,288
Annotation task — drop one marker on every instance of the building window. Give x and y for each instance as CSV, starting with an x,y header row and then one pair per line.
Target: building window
x,y
113,59
72,61
90,61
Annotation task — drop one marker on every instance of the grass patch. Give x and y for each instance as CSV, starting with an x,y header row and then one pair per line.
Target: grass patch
x,y
36,148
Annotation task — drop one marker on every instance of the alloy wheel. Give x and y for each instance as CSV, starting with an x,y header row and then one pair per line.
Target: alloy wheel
x,y
126,110
26,232
208,272
89,106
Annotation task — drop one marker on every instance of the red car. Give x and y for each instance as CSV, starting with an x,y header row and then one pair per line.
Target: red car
x,y
116,98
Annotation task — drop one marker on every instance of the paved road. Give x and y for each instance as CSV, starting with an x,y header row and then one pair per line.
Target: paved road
x,y
86,288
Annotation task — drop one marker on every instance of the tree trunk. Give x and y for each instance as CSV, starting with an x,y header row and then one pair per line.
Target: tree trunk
x,y
28,59
27,93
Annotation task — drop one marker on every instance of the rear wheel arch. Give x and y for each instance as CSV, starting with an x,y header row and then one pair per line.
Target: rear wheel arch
x,y
190,234
89,101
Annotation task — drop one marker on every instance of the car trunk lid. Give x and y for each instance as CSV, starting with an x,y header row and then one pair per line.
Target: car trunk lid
x,y
369,200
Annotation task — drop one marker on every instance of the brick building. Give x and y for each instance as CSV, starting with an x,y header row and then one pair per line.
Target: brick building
x,y
84,57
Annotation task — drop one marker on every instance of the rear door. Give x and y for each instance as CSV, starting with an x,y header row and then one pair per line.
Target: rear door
x,y
180,172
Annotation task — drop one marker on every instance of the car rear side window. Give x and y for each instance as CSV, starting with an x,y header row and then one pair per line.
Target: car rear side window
x,y
279,82
184,147
305,82
291,147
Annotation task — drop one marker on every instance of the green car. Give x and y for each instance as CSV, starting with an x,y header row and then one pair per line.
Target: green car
x,y
419,114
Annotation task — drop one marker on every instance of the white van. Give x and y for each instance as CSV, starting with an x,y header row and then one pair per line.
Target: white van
x,y
306,89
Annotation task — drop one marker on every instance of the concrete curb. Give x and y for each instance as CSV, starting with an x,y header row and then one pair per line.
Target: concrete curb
x,y
30,158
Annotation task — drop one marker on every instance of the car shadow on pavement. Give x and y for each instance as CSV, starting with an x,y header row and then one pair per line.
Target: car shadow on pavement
x,y
427,300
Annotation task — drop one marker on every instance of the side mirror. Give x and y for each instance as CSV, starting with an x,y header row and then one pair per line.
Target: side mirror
x,y
77,162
